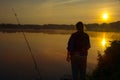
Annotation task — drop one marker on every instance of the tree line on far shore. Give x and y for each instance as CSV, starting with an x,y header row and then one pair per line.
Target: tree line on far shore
x,y
114,26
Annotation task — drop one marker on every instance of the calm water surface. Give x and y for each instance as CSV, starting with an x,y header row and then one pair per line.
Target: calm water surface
x,y
50,53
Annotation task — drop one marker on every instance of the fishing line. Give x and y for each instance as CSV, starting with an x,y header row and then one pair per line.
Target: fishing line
x,y
28,45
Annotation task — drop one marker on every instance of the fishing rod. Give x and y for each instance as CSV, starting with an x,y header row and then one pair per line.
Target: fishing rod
x,y
28,45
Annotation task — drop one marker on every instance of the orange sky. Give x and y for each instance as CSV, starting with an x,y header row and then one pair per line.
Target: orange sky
x,y
59,11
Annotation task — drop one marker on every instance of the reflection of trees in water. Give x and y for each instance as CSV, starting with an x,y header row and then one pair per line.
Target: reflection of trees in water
x,y
108,67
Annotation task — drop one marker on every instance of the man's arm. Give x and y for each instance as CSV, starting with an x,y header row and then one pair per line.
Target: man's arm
x,y
68,58
70,48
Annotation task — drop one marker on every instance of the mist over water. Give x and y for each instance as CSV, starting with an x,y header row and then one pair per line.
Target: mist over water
x,y
49,51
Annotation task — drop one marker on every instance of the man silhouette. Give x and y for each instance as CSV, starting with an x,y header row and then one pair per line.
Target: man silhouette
x,y
78,46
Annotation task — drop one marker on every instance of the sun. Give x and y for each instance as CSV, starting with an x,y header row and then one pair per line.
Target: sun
x,y
105,16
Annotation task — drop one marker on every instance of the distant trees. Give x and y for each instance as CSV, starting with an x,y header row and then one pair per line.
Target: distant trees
x,y
32,26
108,67
114,26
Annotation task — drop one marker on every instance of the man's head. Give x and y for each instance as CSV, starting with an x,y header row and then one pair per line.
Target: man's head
x,y
80,26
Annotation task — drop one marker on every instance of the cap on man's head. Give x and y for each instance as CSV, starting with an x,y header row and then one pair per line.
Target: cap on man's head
x,y
79,25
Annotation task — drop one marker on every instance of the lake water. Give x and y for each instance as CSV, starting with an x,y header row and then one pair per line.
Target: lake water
x,y
49,51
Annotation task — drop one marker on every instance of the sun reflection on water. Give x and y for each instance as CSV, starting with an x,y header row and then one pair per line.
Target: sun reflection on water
x,y
104,41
